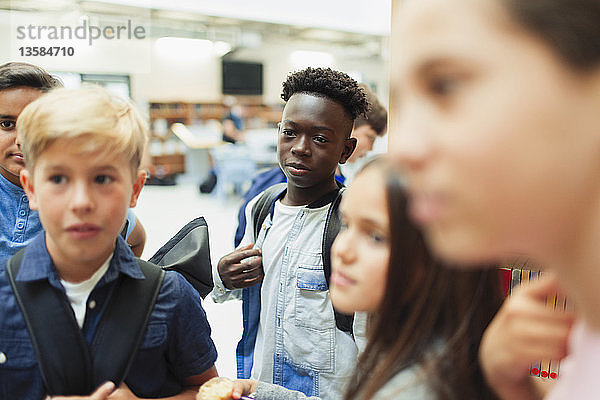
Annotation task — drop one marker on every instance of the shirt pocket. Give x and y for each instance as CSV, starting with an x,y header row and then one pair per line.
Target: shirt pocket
x,y
313,307
19,376
156,335
310,343
16,352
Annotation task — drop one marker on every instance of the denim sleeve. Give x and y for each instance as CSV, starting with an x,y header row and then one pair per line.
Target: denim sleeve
x,y
220,293
191,349
268,391
132,219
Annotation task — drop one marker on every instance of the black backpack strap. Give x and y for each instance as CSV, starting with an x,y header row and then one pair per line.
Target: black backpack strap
x,y
62,353
123,324
124,230
67,364
264,204
333,223
332,228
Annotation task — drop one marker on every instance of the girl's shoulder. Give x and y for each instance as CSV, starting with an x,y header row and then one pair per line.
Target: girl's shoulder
x,y
410,383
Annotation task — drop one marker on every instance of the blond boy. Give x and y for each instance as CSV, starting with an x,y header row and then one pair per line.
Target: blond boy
x,y
82,150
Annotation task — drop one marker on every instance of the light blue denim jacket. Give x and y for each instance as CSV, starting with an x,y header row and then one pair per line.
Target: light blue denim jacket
x,y
311,354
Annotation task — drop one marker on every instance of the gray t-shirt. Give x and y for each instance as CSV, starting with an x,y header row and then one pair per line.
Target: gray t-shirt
x,y
408,384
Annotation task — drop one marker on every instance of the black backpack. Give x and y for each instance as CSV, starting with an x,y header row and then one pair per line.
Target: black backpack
x,y
188,252
70,366
262,208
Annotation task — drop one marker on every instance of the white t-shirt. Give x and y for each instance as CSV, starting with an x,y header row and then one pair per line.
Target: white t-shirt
x,y
78,293
272,252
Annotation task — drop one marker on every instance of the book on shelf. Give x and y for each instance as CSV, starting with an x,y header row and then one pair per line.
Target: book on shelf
x,y
521,273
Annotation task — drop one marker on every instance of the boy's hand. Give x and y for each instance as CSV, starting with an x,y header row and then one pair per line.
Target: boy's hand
x,y
236,274
243,387
102,393
122,393
524,331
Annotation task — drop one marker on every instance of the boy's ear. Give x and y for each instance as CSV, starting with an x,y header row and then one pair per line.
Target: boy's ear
x,y
27,183
138,184
349,146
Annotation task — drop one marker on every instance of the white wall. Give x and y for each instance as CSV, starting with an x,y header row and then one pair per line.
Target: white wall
x,y
187,77
277,65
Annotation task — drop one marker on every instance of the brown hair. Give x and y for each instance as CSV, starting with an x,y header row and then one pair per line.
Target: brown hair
x,y
18,74
571,27
376,116
431,317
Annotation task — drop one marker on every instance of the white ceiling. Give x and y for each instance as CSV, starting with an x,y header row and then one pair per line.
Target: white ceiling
x,y
360,16
371,17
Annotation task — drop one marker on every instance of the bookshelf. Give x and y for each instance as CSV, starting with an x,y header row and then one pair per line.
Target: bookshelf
x,y
168,156
188,113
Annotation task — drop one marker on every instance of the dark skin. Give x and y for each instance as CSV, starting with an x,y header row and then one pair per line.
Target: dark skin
x,y
313,139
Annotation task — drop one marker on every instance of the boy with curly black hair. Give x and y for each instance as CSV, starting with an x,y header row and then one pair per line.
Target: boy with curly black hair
x,y
290,335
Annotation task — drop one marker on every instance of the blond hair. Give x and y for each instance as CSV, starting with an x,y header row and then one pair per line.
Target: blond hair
x,y
93,118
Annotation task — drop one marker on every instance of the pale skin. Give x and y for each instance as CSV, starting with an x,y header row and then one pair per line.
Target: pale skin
x,y
496,164
360,253
81,197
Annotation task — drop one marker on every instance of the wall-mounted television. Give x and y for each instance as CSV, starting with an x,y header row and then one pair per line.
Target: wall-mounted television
x,y
242,78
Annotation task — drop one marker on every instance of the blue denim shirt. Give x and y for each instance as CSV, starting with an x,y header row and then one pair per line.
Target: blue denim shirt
x,y
18,225
176,345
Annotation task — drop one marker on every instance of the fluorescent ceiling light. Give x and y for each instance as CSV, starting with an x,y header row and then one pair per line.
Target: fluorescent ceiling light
x,y
190,49
183,44
302,59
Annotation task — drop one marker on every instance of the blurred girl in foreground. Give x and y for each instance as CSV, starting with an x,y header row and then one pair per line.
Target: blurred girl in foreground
x,y
496,125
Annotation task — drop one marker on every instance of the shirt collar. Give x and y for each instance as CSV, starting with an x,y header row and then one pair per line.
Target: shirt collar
x,y
38,265
8,185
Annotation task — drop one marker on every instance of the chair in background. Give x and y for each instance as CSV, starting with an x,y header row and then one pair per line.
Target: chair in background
x,y
233,166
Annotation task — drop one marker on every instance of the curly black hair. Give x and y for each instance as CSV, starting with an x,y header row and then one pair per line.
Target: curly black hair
x,y
331,84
